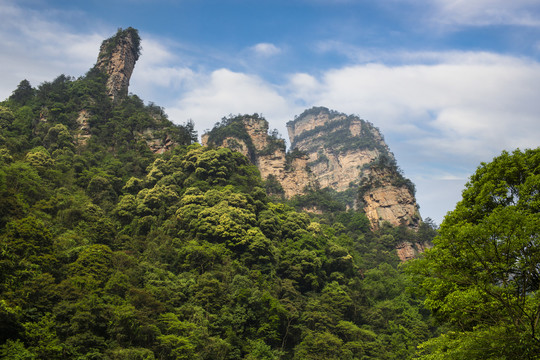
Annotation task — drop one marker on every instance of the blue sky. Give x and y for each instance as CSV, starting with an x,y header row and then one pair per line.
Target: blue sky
x,y
450,83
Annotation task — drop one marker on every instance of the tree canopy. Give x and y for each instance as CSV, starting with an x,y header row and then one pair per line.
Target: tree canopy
x,y
109,250
482,277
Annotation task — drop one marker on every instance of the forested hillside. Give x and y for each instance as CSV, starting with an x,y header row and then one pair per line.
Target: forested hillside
x,y
112,250
123,238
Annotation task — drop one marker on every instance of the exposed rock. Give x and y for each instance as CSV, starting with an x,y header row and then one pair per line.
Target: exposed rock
x,y
330,139
43,114
392,204
116,60
330,149
230,142
338,171
347,152
292,172
407,250
265,151
83,126
117,57
158,144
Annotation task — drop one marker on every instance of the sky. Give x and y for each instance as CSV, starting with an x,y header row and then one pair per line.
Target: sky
x,y
450,83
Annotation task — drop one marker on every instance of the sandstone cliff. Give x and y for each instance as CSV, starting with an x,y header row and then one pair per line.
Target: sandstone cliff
x,y
117,57
330,150
338,146
249,136
407,250
104,100
347,153
388,197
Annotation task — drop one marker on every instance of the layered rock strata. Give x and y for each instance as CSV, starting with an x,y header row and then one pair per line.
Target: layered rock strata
x,y
335,158
407,250
346,152
116,59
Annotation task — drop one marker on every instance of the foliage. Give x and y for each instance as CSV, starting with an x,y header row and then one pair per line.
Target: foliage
x,y
273,187
108,250
234,128
482,279
320,199
110,44
337,132
384,168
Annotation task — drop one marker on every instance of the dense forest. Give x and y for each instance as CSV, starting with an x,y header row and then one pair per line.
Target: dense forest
x,y
109,250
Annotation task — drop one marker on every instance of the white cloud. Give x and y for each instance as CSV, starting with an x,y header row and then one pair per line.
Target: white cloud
x,y
462,109
224,92
303,86
159,74
37,49
475,104
448,110
265,49
487,12
454,114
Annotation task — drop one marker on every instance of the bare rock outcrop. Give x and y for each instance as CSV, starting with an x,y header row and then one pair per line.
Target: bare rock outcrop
x,y
111,75
117,58
408,250
390,203
346,152
333,143
330,149
249,135
84,127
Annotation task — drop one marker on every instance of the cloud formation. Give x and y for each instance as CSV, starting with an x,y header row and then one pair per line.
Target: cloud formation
x,y
465,105
442,112
266,49
224,92
487,12
456,112
39,49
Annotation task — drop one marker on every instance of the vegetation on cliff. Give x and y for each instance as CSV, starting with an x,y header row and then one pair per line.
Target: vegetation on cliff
x,y
109,250
109,45
337,133
112,251
234,127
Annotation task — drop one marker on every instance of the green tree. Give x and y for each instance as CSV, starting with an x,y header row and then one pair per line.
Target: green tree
x,y
23,93
482,277
322,346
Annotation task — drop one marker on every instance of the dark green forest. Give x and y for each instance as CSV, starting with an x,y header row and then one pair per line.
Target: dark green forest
x,y
111,251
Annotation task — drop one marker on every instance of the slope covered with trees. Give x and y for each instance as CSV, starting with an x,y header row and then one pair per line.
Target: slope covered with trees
x,y
122,238
109,250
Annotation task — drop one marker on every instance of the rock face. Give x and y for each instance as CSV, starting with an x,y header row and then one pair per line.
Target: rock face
x,y
339,147
330,149
84,128
407,250
158,145
388,198
348,153
117,57
265,151
113,69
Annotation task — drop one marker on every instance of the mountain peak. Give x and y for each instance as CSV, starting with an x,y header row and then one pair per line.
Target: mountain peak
x,y
330,150
117,58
